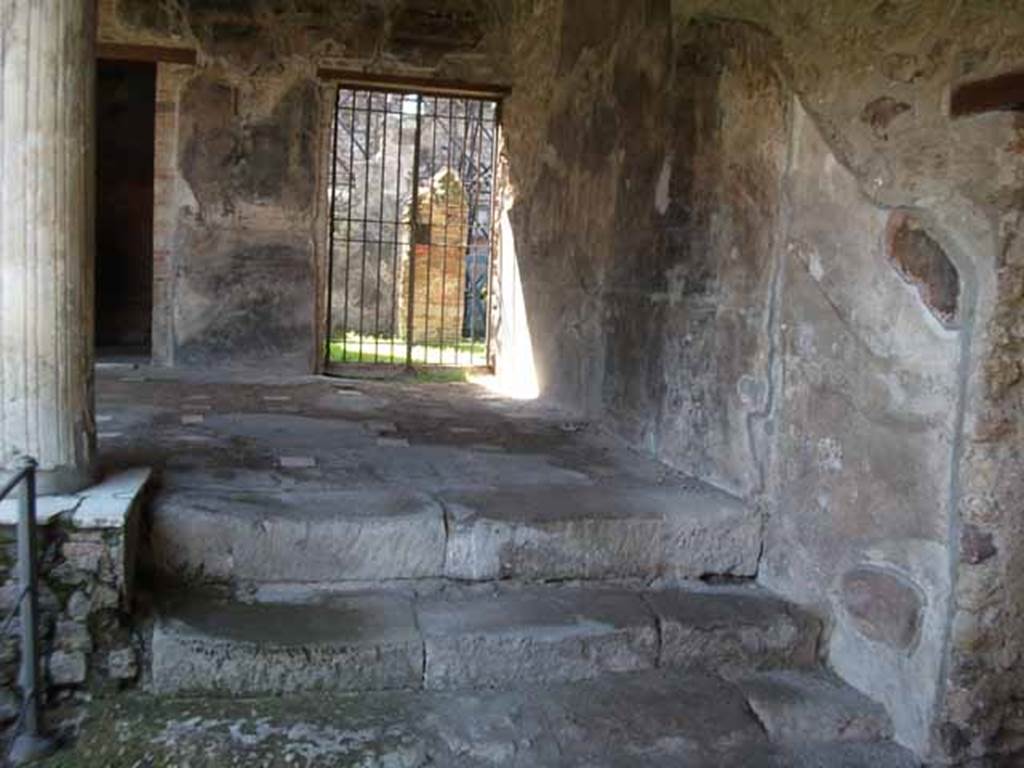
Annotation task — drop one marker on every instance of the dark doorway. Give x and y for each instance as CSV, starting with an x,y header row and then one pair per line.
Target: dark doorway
x,y
125,117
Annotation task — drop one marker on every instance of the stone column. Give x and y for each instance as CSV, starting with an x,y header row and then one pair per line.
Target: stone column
x,y
47,76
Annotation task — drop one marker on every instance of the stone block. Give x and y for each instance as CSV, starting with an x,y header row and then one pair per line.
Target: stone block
x,y
599,532
66,667
79,605
10,705
10,650
104,598
9,594
798,708
483,544
349,643
709,532
72,636
310,537
84,555
68,575
534,634
123,664
733,631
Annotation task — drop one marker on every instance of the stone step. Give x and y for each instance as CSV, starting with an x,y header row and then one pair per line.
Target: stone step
x,y
535,634
650,719
534,533
470,638
365,642
799,708
600,532
338,536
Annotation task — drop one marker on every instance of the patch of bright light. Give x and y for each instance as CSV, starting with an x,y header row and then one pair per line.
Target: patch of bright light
x,y
507,386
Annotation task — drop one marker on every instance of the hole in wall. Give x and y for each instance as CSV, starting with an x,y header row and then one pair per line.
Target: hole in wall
x,y
924,263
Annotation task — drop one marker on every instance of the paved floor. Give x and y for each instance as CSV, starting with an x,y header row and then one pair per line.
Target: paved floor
x,y
204,430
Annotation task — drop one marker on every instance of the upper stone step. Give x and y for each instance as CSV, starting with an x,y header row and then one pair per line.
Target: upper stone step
x,y
532,533
471,638
597,532
338,536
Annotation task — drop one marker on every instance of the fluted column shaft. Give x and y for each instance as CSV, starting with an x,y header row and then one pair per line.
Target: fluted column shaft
x,y
47,77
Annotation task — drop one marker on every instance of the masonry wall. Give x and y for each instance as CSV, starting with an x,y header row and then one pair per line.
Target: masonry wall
x,y
772,265
242,144
866,422
749,238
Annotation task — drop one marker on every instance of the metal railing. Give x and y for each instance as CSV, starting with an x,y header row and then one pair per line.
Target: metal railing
x,y
27,741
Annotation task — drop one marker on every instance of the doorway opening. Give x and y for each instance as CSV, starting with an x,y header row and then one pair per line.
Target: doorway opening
x,y
411,241
125,124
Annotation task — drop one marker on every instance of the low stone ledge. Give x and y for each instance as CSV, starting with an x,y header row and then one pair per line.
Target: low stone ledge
x,y
87,550
105,505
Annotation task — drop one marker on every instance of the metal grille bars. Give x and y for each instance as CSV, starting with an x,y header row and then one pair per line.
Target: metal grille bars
x,y
411,242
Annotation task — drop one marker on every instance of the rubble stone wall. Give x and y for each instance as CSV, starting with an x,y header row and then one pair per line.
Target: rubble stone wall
x,y
87,548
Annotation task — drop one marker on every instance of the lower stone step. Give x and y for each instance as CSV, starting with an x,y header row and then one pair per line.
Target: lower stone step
x,y
354,643
536,634
533,533
651,719
465,638
802,708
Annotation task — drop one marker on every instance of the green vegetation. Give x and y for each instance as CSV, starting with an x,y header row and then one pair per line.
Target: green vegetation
x,y
387,350
441,375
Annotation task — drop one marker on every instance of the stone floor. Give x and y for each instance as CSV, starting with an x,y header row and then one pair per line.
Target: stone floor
x,y
646,720
221,430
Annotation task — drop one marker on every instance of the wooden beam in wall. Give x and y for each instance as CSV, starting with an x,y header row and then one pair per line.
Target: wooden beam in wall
x,y
996,94
150,53
398,83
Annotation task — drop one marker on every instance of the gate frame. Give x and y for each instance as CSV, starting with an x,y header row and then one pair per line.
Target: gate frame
x,y
332,81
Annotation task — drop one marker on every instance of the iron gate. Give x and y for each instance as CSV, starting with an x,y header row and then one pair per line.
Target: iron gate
x,y
411,228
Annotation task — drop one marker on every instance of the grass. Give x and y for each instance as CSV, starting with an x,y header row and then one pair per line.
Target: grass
x,y
369,349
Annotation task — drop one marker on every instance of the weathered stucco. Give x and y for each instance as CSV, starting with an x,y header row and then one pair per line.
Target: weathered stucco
x,y
621,235
244,286
847,381
242,138
866,422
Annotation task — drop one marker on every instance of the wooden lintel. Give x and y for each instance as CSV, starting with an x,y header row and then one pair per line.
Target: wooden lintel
x,y
150,53
398,83
996,94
